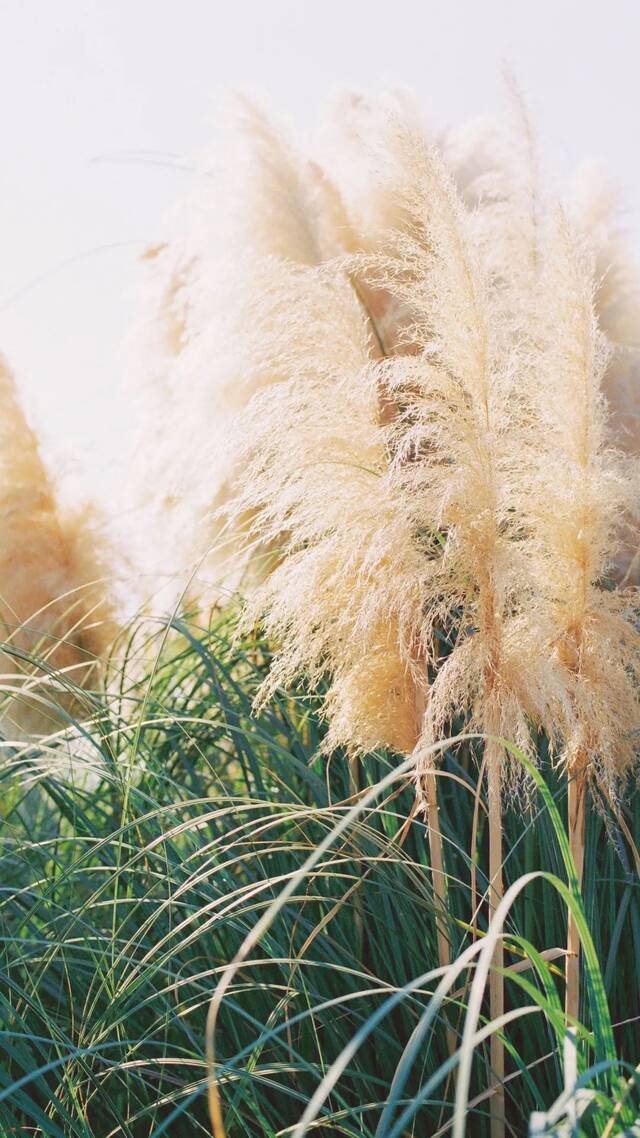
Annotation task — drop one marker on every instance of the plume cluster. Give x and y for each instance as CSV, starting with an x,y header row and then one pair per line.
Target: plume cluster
x,y
54,615
428,368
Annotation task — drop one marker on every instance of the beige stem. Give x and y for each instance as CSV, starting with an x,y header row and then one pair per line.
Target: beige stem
x,y
437,866
439,883
436,859
496,980
576,798
355,785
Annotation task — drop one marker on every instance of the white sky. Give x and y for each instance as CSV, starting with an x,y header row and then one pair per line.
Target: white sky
x,y
86,86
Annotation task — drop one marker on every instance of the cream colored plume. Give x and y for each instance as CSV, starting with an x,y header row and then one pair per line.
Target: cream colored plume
x,y
343,596
193,363
53,611
458,446
581,493
597,214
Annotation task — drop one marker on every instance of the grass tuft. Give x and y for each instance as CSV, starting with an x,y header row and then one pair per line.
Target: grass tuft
x,y
141,848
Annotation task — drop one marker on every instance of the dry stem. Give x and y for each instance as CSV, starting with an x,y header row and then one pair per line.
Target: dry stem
x,y
496,980
576,800
436,860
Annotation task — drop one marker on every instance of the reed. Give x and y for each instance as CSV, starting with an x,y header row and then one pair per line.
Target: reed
x,y
585,490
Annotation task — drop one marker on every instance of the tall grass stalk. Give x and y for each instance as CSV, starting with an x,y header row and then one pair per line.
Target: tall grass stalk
x,y
496,983
576,816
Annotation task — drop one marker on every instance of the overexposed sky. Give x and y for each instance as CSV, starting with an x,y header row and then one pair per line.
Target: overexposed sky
x,y
104,102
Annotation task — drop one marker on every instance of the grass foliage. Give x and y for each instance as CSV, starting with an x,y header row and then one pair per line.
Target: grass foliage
x,y
140,848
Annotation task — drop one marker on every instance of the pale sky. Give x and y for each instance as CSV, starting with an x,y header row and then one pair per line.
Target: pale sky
x,y
104,103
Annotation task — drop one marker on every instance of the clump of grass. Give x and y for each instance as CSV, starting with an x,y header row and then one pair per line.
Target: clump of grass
x,y
140,849
472,489
426,500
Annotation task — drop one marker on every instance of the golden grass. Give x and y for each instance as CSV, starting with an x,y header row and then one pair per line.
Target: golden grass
x,y
53,602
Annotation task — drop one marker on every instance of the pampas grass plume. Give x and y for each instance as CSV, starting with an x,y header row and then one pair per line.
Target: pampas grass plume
x,y
53,599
